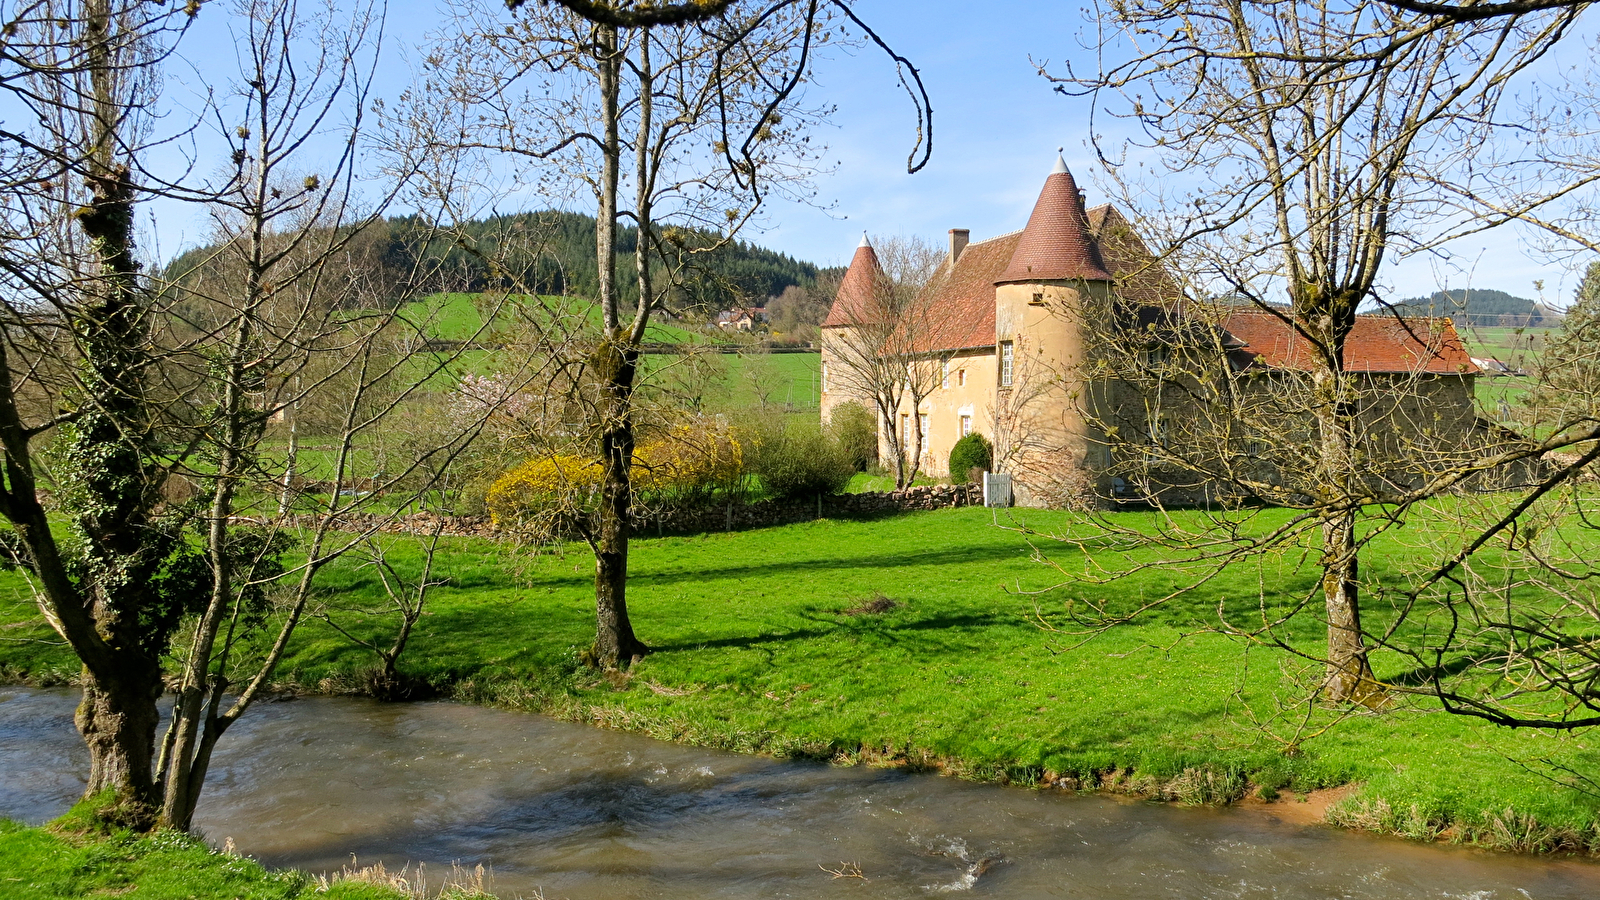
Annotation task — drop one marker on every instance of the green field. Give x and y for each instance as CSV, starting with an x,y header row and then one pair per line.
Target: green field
x,y
1519,347
787,380
1500,396
77,857
764,642
460,317
791,379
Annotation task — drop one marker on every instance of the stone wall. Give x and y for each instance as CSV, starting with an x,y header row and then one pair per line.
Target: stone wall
x,y
697,521
784,512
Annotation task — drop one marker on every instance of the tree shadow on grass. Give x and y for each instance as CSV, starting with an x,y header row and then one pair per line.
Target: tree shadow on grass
x,y
824,628
954,556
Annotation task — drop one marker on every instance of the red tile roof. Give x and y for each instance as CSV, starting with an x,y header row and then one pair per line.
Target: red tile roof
x,y
1056,245
962,300
1378,343
855,300
1141,278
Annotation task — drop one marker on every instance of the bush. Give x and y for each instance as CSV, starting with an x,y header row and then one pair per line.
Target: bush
x,y
855,429
682,468
792,462
971,452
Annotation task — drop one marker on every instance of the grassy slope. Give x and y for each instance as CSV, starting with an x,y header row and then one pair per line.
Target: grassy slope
x,y
795,374
754,653
47,864
1516,347
459,317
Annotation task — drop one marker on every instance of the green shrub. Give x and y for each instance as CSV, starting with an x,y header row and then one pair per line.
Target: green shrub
x,y
971,452
855,429
795,462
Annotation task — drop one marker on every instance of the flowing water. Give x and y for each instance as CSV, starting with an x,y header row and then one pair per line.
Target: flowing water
x,y
579,812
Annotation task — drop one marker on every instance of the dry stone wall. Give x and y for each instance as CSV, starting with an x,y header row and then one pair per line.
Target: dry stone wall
x,y
784,512
719,518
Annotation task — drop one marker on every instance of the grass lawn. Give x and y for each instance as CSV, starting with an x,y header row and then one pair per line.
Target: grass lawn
x,y
65,863
789,379
1518,347
460,317
867,482
756,649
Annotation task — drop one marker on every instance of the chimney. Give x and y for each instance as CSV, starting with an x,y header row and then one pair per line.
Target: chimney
x,y
958,243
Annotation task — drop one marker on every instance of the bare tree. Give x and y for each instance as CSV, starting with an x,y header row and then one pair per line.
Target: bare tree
x,y
1321,132
710,107
1498,622
76,320
877,343
158,396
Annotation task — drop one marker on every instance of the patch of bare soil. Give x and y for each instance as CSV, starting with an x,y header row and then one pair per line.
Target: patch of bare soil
x,y
1298,809
876,605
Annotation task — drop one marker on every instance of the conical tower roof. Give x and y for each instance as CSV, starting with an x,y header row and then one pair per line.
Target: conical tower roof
x,y
855,302
1056,245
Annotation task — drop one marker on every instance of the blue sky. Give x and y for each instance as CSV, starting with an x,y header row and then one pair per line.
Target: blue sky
x,y
997,127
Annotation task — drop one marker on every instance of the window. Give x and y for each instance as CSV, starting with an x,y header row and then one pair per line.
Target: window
x,y
1007,362
1154,359
961,378
922,431
905,429
966,425
1038,300
944,378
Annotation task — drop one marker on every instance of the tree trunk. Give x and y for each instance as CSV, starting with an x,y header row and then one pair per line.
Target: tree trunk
x,y
118,719
897,453
616,364
1349,675
118,716
614,642
914,468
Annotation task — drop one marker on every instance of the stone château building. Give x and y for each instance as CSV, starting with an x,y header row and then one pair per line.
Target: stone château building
x,y
1011,332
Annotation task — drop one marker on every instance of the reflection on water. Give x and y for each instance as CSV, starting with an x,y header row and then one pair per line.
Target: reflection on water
x,y
579,812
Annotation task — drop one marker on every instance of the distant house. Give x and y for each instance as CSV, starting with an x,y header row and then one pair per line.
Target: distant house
x,y
1492,366
743,319
1019,364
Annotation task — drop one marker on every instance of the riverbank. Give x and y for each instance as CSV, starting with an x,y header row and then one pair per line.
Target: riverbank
x,y
913,641
79,855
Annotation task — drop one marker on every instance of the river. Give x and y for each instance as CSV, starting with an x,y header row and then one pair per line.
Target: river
x,y
578,812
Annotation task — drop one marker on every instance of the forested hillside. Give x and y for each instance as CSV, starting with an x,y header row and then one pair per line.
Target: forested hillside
x,y
547,252
1482,307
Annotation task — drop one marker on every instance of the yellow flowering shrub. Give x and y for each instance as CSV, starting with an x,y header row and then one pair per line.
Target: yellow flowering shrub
x,y
688,465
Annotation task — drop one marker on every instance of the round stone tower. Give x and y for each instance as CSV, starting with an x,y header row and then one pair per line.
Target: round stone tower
x,y
1046,302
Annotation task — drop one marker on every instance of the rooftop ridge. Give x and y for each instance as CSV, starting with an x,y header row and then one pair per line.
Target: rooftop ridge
x,y
1253,310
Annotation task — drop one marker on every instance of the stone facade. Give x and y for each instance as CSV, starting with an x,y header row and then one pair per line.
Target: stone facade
x,y
1014,329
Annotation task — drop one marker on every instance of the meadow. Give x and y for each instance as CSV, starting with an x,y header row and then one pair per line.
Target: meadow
x,y
1499,396
917,640
78,856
